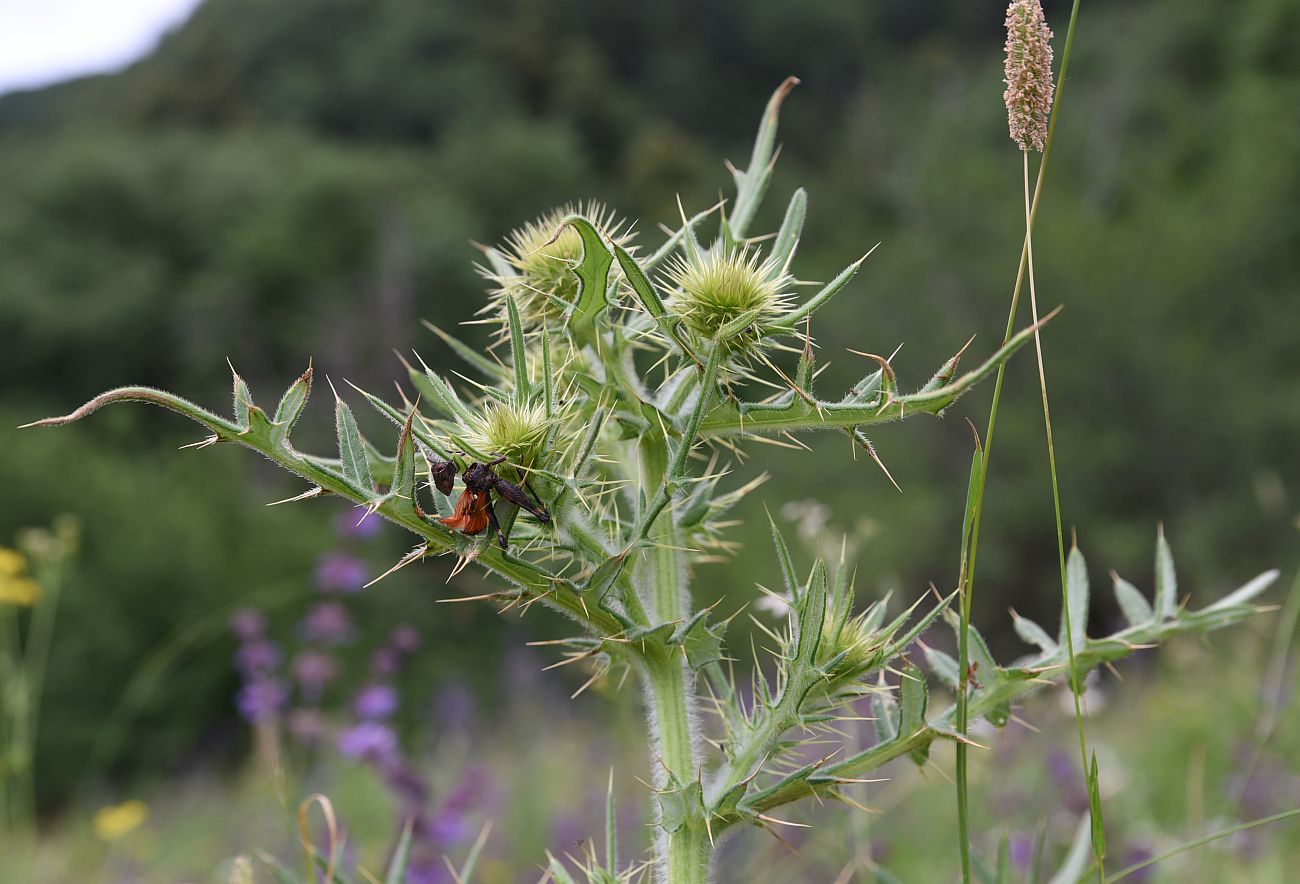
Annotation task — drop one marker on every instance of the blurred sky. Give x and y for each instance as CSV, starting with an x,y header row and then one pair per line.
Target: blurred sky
x,y
44,41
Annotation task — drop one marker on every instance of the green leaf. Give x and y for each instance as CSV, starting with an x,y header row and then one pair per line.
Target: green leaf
x,y
1137,610
751,184
403,486
913,695
702,642
396,873
787,238
1076,588
602,580
1166,605
518,352
1244,594
1094,805
812,612
943,666
487,367
644,289
986,668
679,804
548,379
352,451
830,290
593,278
1031,633
243,398
884,712
788,576
291,404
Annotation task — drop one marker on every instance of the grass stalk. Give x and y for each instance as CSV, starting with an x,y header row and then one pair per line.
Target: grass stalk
x,y
967,578
1075,687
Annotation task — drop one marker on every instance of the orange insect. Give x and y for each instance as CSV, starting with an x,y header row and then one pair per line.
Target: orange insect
x,y
471,513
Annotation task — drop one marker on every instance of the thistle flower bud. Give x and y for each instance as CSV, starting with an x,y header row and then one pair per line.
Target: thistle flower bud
x,y
538,263
1028,74
722,285
517,431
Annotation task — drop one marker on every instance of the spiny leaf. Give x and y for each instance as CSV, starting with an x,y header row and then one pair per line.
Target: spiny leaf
x,y
788,576
403,486
830,290
1166,605
1137,611
679,804
912,698
644,289
943,666
787,238
243,398
1094,805
812,612
751,184
292,402
396,873
884,713
602,580
518,353
1244,594
593,277
352,451
473,357
1076,588
1031,633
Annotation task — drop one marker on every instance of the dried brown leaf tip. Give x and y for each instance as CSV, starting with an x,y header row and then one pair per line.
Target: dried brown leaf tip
x,y
1028,74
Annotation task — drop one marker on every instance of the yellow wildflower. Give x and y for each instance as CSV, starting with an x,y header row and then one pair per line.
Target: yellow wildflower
x,y
16,588
119,820
12,562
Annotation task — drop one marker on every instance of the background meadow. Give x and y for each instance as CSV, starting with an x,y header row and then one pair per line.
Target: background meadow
x,y
279,183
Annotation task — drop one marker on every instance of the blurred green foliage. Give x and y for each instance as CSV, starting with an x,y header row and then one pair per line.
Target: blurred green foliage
x,y
279,182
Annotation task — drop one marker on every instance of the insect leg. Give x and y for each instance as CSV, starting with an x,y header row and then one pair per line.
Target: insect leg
x,y
496,526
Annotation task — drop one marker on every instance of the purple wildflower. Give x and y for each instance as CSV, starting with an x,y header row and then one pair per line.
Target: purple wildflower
x,y
248,624
405,639
314,670
385,662
328,623
455,706
340,572
1139,853
306,725
1021,851
448,826
375,701
427,870
356,524
369,740
257,657
261,699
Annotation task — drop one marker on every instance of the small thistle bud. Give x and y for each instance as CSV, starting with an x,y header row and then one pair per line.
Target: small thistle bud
x,y
517,431
540,257
1028,74
723,285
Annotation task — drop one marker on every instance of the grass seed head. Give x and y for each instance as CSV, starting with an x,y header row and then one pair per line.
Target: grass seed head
x,y
1028,74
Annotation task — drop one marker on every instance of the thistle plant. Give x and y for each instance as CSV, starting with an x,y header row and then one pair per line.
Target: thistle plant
x,y
627,386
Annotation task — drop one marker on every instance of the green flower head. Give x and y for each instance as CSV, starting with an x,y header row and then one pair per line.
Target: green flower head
x,y
722,285
535,263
